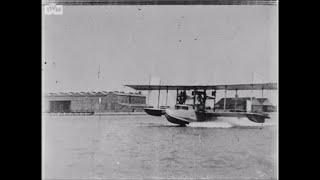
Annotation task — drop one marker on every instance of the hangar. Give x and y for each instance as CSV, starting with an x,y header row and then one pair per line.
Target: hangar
x,y
92,102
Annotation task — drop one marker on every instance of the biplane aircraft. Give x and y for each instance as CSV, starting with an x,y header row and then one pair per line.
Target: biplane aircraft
x,y
183,113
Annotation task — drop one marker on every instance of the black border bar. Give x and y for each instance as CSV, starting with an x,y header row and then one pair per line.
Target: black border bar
x,y
161,2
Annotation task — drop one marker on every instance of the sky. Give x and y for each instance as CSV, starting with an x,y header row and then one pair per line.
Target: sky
x,y
101,48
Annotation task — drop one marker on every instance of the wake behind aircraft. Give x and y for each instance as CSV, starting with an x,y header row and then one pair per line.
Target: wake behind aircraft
x,y
183,113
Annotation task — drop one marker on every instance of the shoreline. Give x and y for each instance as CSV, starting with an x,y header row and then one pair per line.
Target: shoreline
x,y
95,114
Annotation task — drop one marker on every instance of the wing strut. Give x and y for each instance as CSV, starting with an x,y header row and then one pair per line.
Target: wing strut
x,y
167,97
225,99
159,94
235,103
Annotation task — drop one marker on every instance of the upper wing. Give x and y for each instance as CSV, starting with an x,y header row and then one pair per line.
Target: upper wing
x,y
266,86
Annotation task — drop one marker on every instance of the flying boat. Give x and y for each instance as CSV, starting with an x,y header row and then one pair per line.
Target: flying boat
x,y
184,113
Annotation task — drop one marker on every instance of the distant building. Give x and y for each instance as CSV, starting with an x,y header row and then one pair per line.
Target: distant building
x,y
94,102
243,103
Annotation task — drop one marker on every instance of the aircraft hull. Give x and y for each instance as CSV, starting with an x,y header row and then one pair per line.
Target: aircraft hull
x,y
183,117
154,111
176,120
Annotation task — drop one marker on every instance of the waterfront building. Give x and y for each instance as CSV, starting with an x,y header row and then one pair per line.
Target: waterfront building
x,y
92,102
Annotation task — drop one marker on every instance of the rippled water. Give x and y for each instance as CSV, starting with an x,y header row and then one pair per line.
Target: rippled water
x,y
136,147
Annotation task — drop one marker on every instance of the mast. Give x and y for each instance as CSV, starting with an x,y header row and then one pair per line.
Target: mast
x,y
98,79
251,99
252,76
99,108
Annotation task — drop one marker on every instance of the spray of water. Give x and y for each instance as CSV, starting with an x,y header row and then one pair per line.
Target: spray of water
x,y
232,122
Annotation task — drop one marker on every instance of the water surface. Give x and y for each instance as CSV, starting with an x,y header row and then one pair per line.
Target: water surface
x,y
146,147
